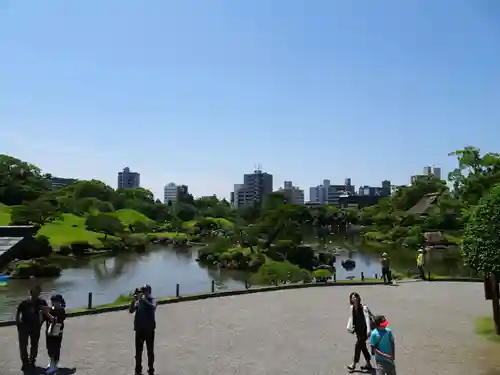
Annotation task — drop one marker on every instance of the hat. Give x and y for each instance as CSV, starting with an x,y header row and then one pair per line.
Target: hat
x,y
384,254
146,288
58,298
420,250
381,321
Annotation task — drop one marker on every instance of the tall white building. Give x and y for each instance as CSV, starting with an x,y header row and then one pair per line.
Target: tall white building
x,y
170,193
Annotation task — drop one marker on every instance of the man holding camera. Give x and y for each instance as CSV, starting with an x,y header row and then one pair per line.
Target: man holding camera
x,y
144,306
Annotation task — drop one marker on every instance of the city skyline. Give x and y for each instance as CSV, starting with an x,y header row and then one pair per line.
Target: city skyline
x,y
312,93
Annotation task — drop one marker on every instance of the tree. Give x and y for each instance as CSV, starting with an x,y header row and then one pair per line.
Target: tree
x,y
481,243
34,213
20,181
104,223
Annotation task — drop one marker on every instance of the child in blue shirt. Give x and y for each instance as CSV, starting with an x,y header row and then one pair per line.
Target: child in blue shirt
x,y
383,348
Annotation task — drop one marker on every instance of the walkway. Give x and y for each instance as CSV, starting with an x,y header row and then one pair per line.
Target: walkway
x,y
294,332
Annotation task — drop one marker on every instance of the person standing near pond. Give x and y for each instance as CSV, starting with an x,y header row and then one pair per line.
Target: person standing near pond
x,y
54,331
144,307
359,324
385,262
29,318
420,264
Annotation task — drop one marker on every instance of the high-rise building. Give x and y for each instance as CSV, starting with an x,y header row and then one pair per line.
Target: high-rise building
x,y
128,179
293,194
436,171
428,171
329,194
172,192
255,187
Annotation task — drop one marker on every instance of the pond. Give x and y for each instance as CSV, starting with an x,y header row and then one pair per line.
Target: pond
x,y
162,268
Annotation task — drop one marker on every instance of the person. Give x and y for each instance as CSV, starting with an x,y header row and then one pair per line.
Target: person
x,y
420,264
54,331
385,261
383,347
29,318
144,306
359,324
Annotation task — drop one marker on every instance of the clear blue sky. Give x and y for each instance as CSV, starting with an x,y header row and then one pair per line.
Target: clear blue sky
x,y
198,92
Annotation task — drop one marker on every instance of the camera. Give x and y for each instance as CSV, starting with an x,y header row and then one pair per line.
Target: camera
x,y
137,292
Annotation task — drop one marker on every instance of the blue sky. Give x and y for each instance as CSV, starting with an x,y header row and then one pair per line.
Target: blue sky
x,y
199,92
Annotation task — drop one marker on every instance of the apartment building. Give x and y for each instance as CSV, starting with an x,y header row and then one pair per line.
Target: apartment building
x,y
128,179
294,194
256,186
172,192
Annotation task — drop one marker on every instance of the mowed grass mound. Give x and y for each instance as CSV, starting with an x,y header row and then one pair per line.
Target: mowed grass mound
x,y
221,222
128,216
4,215
67,229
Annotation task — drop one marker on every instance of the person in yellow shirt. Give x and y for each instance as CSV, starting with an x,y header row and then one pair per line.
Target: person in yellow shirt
x,y
420,264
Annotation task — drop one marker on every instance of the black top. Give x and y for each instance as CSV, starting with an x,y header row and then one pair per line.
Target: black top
x,y
29,313
59,314
144,319
358,320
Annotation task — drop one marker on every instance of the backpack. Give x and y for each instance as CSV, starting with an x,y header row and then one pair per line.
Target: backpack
x,y
372,319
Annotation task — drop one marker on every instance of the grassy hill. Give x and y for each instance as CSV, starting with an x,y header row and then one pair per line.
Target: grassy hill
x,y
4,214
70,228
128,216
222,222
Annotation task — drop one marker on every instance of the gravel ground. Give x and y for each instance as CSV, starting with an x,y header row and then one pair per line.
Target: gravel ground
x,y
294,332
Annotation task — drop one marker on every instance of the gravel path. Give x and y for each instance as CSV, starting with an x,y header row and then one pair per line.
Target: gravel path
x,y
294,332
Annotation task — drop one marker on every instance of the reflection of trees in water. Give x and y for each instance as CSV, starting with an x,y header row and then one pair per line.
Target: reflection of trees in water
x,y
183,255
112,268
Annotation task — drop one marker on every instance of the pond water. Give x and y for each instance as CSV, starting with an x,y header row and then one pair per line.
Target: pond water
x,y
162,268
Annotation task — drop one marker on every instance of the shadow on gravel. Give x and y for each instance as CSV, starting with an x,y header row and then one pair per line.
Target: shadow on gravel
x,y
60,371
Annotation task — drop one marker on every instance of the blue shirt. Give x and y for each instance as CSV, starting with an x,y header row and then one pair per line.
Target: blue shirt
x,y
383,343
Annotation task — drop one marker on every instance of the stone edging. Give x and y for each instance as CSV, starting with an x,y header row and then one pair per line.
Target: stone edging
x,y
196,297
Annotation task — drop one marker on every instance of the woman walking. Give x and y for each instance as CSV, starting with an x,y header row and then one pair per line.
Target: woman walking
x,y
54,331
359,324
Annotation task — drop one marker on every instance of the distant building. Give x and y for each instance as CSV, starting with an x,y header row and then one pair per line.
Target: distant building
x,y
428,171
172,192
357,201
234,195
256,186
60,182
293,194
329,194
376,191
128,179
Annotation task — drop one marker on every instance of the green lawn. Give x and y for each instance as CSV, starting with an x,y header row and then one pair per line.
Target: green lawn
x,y
4,215
172,235
485,328
69,228
128,216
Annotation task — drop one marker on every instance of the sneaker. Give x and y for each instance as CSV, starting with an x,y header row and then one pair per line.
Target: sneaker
x,y
351,368
367,367
52,369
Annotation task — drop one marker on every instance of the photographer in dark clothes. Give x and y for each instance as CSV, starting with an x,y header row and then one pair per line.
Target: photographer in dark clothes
x,y
29,318
144,306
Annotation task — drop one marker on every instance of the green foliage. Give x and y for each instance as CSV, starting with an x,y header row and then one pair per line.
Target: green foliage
x,y
322,275
481,242
278,272
104,223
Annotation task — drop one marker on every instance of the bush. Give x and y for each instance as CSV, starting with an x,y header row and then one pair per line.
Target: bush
x,y
322,275
65,250
275,272
80,248
43,248
34,269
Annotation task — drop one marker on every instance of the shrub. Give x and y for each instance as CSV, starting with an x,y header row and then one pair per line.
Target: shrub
x,y
65,250
275,272
322,275
80,248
